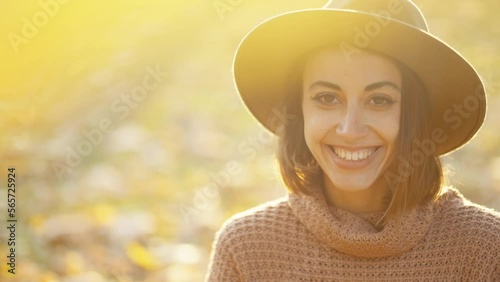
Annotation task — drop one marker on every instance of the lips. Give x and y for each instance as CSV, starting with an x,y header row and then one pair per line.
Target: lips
x,y
353,155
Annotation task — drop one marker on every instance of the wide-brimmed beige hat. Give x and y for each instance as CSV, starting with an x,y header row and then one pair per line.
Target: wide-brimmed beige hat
x,y
394,27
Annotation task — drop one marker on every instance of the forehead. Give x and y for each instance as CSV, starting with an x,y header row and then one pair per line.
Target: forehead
x,y
332,63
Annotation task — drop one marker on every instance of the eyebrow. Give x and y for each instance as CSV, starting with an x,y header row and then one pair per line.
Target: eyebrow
x,y
370,87
381,84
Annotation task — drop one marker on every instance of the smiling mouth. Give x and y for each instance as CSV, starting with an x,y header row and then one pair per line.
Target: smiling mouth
x,y
353,156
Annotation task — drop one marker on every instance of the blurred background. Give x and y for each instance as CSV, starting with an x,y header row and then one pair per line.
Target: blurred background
x,y
131,146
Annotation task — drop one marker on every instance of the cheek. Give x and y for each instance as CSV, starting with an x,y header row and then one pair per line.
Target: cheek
x,y
310,131
391,127
316,124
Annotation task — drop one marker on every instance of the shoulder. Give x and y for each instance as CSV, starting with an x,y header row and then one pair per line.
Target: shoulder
x,y
470,221
456,206
466,233
263,221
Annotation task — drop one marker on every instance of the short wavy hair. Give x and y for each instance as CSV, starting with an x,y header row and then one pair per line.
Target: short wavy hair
x,y
413,185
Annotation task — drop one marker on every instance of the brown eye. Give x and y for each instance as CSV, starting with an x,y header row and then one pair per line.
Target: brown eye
x,y
327,98
380,101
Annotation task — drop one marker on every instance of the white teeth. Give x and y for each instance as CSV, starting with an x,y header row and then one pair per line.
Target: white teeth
x,y
353,156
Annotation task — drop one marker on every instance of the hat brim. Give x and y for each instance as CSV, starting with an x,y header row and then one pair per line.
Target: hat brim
x,y
266,55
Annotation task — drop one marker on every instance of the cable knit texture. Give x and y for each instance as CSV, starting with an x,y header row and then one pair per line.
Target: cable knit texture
x,y
301,238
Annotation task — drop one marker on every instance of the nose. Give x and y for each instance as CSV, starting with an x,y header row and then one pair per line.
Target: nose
x,y
352,124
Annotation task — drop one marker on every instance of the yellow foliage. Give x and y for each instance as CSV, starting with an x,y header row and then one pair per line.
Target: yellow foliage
x,y
102,214
49,277
36,222
141,256
74,263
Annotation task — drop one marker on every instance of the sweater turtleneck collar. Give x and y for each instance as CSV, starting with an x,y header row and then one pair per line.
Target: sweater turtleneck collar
x,y
356,234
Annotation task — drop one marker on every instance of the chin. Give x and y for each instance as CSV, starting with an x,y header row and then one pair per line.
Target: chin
x,y
351,187
351,181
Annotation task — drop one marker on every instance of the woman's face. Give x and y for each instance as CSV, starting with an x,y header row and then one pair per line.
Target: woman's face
x,y
351,115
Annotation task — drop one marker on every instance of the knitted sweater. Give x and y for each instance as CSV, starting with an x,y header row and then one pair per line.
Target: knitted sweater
x,y
301,238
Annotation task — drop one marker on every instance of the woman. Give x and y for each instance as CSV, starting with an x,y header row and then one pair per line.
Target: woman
x,y
367,102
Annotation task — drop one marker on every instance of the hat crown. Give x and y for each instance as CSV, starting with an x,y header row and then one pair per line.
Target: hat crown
x,y
401,10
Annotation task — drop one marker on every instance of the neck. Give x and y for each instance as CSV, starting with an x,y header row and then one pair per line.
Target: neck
x,y
372,199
